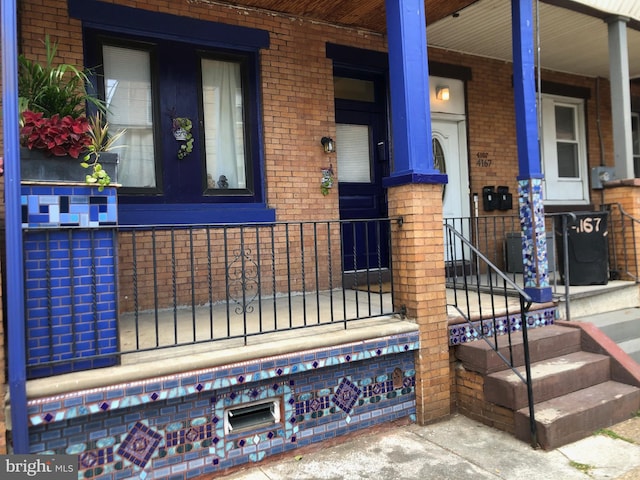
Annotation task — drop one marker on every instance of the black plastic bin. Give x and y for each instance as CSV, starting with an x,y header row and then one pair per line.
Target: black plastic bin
x,y
587,248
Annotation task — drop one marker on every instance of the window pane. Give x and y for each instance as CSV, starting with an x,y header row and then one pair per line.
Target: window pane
x,y
127,80
565,123
568,160
352,147
223,124
353,89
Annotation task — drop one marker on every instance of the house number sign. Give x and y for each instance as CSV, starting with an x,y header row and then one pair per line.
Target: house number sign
x,y
587,225
482,159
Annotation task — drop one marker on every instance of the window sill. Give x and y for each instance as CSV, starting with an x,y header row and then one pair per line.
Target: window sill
x,y
194,213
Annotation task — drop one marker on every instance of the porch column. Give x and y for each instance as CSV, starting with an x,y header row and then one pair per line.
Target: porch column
x,y
620,97
415,194
534,242
13,227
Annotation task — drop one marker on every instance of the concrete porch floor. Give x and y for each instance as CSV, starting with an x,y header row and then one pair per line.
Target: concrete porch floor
x,y
324,328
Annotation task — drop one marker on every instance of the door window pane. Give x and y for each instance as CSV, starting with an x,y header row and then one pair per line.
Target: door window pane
x,y
568,160
353,89
224,130
566,142
565,123
352,147
127,86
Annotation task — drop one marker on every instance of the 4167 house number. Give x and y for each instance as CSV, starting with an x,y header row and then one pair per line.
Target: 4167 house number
x,y
587,225
482,159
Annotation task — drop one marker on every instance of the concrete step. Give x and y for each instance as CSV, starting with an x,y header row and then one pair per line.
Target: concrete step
x,y
618,325
551,378
544,343
577,415
592,300
632,347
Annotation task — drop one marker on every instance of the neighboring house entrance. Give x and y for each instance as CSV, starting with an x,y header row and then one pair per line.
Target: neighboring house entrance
x,y
361,146
450,157
449,142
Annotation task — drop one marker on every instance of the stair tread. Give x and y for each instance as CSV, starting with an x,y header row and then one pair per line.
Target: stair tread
x,y
613,317
552,366
580,401
544,342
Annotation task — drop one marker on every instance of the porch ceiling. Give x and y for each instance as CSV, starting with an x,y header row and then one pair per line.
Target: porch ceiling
x,y
571,41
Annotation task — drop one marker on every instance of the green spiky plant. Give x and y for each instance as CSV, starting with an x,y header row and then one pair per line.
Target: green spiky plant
x,y
53,88
101,141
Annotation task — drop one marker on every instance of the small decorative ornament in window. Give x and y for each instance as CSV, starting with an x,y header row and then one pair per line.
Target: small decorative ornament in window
x,y
182,133
327,180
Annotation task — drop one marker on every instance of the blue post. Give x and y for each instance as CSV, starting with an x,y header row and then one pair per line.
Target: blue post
x,y
534,243
409,81
13,224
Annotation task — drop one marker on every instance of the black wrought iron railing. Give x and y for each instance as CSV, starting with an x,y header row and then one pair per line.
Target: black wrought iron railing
x,y
185,285
496,314
605,240
624,262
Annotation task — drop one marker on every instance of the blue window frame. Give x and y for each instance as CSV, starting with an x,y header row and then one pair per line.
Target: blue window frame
x,y
172,68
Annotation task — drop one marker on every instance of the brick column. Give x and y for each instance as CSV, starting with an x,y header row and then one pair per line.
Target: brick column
x,y
625,193
418,269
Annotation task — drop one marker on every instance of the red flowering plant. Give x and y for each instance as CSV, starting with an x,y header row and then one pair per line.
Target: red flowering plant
x,y
55,135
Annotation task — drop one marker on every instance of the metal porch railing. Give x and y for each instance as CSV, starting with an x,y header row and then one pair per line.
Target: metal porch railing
x,y
498,238
489,314
185,285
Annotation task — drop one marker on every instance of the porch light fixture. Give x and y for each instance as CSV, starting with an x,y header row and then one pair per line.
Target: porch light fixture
x,y
442,93
328,144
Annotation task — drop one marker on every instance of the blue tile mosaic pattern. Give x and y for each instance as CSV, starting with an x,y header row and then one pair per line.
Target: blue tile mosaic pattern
x,y
534,241
70,279
174,426
68,205
465,332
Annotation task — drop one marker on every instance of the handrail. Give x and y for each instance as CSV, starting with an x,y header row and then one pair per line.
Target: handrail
x,y
460,251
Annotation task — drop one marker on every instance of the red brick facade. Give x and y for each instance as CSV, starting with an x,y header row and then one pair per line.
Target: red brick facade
x,y
298,109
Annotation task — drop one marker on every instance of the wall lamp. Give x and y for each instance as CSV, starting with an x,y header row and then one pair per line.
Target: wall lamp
x,y
442,93
328,144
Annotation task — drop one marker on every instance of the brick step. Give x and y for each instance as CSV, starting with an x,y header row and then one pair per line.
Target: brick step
x,y
544,343
551,378
577,415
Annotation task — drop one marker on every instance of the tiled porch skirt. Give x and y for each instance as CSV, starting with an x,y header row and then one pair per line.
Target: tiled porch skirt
x,y
174,425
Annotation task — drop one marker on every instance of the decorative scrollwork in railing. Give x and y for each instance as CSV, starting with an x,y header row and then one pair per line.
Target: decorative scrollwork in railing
x,y
242,280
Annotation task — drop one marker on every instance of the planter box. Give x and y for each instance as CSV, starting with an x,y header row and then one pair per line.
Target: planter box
x,y
35,166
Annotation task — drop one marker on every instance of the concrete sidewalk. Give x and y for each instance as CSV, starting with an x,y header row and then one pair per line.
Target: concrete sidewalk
x,y
456,448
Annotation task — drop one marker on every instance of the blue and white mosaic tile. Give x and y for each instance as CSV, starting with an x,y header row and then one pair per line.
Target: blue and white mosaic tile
x,y
534,241
469,332
54,206
168,433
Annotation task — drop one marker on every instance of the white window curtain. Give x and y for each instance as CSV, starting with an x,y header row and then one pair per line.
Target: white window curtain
x,y
223,124
127,77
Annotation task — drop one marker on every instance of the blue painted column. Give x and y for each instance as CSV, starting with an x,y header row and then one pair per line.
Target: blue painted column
x,y
409,85
15,335
534,243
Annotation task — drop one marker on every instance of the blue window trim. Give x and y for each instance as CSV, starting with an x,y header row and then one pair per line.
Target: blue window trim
x,y
118,19
194,213
132,20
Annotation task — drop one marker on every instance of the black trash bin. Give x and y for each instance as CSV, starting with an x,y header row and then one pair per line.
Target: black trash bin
x,y
587,248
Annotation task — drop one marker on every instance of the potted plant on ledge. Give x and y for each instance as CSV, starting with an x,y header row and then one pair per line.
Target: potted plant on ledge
x,y
58,140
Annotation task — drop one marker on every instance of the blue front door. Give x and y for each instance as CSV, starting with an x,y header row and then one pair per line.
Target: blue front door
x,y
361,145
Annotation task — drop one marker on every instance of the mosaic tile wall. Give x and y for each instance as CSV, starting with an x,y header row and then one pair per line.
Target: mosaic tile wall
x,y
465,332
68,206
70,277
174,427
